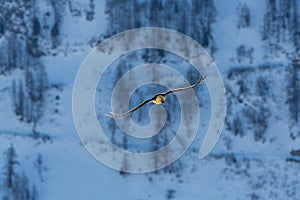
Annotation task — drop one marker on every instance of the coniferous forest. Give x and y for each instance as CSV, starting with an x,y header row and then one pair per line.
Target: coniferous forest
x,y
256,46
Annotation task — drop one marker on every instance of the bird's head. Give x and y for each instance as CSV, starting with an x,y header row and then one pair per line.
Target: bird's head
x,y
160,99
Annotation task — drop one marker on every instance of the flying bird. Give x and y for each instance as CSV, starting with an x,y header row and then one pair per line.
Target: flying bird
x,y
157,99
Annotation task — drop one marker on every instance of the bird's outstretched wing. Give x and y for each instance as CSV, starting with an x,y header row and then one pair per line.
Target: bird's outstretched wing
x,y
113,115
185,88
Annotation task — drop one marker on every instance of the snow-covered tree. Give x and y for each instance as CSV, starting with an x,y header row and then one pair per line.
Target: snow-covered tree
x,y
28,96
203,17
293,93
243,13
9,167
40,166
90,12
281,25
16,185
244,54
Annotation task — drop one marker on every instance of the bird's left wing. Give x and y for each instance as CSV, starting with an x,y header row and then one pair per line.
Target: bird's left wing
x,y
114,115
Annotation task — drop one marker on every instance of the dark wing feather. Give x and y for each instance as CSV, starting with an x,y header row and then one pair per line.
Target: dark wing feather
x,y
185,88
113,115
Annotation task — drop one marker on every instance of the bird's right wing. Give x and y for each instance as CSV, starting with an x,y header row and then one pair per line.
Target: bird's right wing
x,y
186,88
114,115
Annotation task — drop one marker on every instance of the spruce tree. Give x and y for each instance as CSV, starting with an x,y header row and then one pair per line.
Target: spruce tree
x,y
9,167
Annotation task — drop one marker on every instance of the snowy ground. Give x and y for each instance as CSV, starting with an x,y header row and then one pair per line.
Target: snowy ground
x,y
249,170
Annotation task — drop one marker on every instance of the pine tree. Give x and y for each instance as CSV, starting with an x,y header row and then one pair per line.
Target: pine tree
x,y
270,32
262,87
9,168
17,186
125,142
21,100
203,16
20,190
41,87
285,18
293,94
296,26
39,165
2,26
154,13
137,14
237,127
90,12
125,166
58,8
243,13
281,25
112,129
112,11
14,97
34,193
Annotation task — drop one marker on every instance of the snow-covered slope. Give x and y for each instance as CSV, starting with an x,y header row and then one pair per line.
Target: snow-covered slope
x,y
252,159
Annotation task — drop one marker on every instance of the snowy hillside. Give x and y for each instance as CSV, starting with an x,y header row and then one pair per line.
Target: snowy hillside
x,y
255,45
